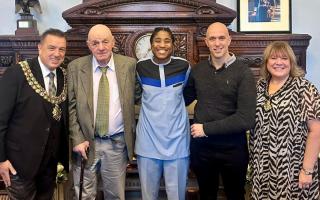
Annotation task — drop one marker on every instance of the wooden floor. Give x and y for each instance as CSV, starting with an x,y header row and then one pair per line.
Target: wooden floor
x,y
4,197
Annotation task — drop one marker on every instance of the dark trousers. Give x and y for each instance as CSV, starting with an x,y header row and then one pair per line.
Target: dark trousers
x,y
230,161
40,187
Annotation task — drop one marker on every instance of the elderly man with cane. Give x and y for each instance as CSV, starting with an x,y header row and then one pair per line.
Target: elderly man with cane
x,y
95,82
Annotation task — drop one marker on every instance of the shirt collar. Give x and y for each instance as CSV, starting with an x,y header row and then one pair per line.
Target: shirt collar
x,y
110,64
154,62
227,62
45,71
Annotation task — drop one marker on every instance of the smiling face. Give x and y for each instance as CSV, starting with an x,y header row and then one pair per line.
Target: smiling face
x,y
218,41
52,50
100,42
279,62
162,46
279,65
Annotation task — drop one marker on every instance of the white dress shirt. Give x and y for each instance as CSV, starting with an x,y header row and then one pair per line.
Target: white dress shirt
x,y
115,112
45,72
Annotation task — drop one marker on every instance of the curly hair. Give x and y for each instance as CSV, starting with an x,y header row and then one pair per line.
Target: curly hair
x,y
158,29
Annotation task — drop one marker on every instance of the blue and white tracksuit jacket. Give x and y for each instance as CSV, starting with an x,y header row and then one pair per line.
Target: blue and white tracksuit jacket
x,y
163,130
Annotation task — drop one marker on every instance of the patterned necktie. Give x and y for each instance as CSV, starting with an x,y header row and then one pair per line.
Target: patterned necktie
x,y
102,114
52,87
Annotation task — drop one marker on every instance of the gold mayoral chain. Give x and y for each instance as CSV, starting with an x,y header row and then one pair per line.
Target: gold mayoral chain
x,y
55,100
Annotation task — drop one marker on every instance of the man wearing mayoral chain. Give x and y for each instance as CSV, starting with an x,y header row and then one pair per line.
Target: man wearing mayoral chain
x,y
33,121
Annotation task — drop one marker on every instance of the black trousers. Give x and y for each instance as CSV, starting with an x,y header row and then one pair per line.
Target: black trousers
x,y
39,188
209,161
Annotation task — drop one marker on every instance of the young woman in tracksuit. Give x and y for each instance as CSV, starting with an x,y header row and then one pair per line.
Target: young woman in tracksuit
x,y
163,131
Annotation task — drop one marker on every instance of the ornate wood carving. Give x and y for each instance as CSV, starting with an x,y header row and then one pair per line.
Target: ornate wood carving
x,y
80,31
131,12
180,45
206,10
121,40
6,61
130,19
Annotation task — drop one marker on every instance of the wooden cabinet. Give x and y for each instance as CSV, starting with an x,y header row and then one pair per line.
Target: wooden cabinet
x,y
129,20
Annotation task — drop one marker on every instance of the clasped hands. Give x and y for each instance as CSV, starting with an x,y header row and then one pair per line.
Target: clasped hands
x,y
197,131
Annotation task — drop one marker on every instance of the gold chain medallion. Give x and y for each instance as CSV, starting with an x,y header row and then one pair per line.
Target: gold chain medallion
x,y
267,105
56,112
55,100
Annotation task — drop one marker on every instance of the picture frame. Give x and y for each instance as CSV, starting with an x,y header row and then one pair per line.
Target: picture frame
x,y
264,16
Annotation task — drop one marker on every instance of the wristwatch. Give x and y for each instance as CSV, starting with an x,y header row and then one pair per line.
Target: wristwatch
x,y
307,172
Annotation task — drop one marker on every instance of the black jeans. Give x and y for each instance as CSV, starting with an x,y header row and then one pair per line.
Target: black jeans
x,y
210,161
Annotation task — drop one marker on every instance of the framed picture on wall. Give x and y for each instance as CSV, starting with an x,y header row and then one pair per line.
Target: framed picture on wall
x,y
264,16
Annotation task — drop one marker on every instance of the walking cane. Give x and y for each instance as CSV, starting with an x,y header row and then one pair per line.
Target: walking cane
x,y
83,162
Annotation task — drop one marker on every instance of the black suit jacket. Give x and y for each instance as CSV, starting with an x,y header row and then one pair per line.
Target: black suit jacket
x,y
26,121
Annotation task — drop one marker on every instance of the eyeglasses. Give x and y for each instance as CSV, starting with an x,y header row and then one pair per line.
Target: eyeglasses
x,y
96,43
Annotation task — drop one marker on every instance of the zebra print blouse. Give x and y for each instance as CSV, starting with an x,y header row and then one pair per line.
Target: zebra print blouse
x,y
277,144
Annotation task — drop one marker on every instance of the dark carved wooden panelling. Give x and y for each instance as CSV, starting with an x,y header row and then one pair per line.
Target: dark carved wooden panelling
x,y
121,40
180,45
250,47
6,60
13,49
133,12
129,20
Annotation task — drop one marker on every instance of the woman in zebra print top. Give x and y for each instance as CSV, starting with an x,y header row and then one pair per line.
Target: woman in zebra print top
x,y
285,143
